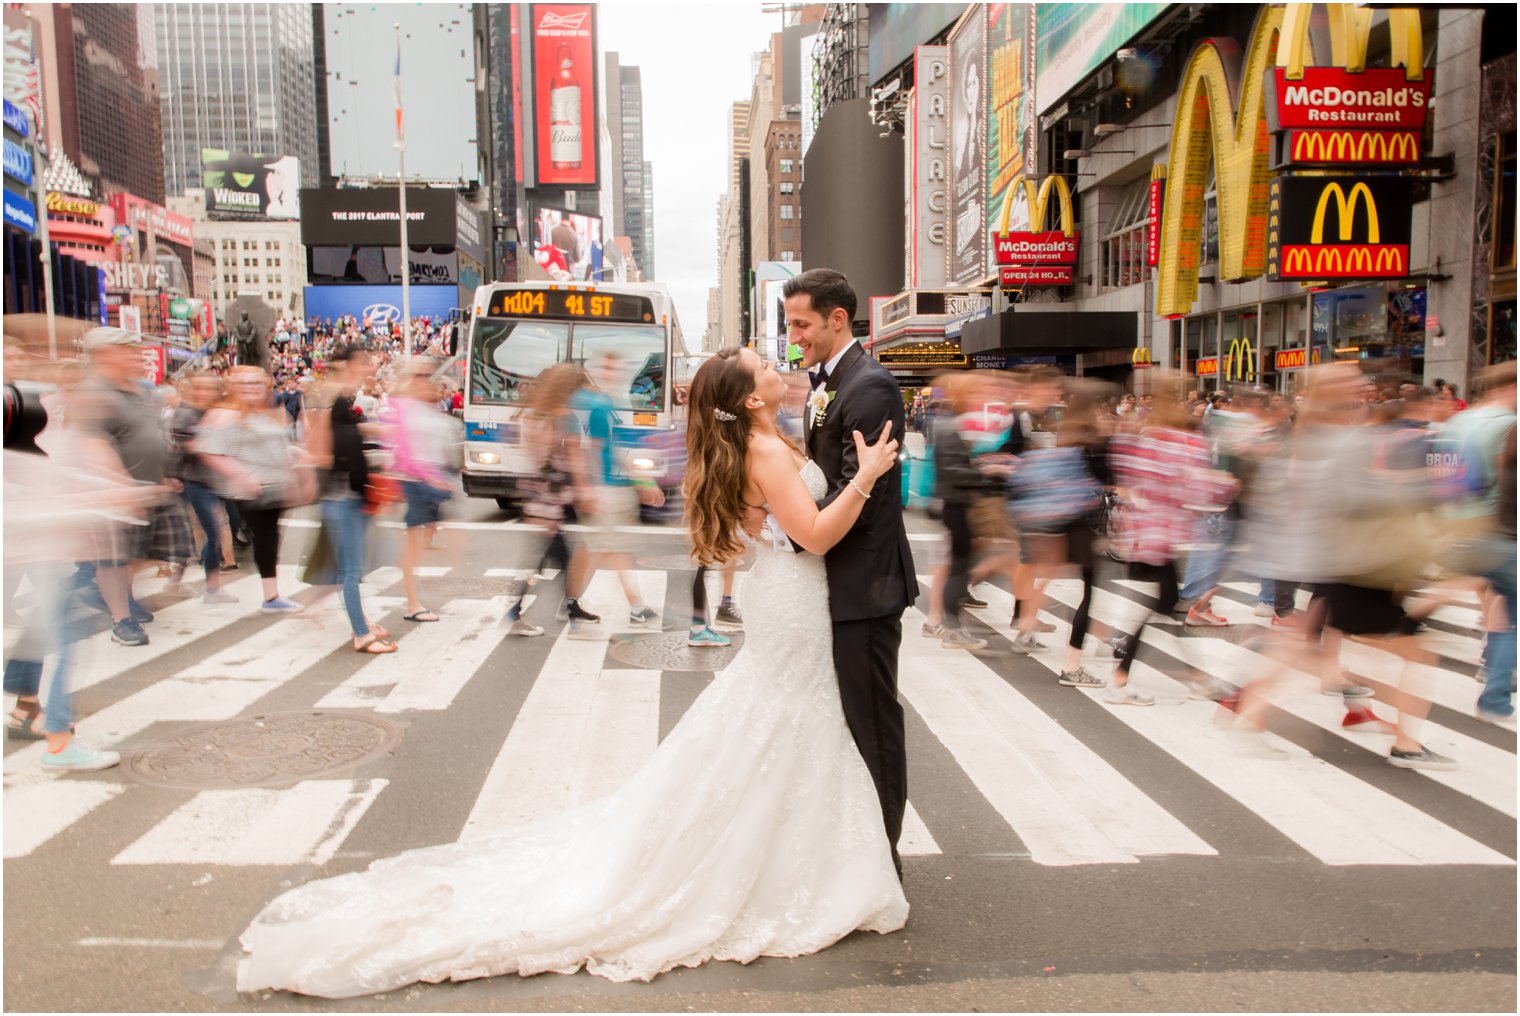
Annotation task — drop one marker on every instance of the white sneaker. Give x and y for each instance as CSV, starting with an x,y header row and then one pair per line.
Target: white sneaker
x,y
1505,722
525,628
1026,644
1126,695
1263,610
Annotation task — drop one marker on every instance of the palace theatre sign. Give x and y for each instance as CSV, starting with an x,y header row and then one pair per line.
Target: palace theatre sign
x,y
1311,163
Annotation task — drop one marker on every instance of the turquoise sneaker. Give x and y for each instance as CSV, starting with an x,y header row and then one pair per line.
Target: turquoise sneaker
x,y
705,638
78,757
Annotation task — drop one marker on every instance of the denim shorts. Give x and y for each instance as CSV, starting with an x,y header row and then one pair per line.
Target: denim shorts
x,y
424,502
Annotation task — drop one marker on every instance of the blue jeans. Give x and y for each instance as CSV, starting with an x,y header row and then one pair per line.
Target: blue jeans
x,y
1211,546
55,602
1499,656
346,522
204,502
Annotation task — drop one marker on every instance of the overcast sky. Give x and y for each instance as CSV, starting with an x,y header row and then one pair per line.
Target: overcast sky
x,y
694,63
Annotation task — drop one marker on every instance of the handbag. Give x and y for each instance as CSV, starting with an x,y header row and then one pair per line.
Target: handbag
x,y
988,516
321,564
381,490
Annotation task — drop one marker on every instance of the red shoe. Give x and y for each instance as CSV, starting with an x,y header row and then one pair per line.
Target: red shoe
x,y
1364,720
1203,618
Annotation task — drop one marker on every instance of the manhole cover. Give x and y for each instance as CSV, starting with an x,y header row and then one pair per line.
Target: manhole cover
x,y
669,651
276,749
668,562
467,589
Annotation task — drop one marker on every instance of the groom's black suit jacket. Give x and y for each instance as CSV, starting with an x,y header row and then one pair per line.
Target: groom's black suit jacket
x,y
871,570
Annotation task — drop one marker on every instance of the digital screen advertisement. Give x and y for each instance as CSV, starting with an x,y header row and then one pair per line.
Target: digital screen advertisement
x,y
564,94
567,245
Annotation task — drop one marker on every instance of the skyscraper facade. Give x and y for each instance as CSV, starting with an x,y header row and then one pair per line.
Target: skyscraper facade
x,y
633,193
109,97
238,77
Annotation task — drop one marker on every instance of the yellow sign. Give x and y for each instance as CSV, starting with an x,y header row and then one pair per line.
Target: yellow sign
x,y
69,205
1240,362
1038,200
1346,206
1141,357
1351,146
1216,123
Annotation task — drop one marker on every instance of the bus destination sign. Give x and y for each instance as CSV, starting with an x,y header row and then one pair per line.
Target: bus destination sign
x,y
568,305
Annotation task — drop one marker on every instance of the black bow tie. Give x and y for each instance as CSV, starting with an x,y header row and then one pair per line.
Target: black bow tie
x,y
819,376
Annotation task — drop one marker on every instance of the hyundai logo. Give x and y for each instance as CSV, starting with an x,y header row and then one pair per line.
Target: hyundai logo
x,y
381,313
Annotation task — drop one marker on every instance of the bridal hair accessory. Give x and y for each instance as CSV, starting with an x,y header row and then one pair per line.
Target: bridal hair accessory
x,y
724,415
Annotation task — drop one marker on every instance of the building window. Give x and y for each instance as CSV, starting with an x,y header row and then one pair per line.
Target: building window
x,y
788,211
786,165
787,187
1124,242
788,255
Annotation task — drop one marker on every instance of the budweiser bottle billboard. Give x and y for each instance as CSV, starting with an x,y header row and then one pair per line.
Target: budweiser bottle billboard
x,y
565,105
565,113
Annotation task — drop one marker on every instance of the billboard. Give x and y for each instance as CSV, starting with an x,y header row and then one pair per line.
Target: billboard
x,y
1012,128
1074,39
372,216
567,245
1372,219
564,94
243,186
897,28
381,304
968,72
928,253
438,90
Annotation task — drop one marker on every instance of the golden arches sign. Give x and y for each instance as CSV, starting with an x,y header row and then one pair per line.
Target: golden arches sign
x,y
1221,116
1039,200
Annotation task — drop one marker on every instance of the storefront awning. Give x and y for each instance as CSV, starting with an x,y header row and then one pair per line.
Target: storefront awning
x,y
1051,331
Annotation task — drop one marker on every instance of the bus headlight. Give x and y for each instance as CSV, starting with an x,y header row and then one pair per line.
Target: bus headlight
x,y
485,458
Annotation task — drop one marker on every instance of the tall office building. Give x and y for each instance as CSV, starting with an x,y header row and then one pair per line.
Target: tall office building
x,y
236,77
633,192
108,95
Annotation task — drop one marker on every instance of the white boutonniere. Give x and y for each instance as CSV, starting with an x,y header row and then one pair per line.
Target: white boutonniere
x,y
818,405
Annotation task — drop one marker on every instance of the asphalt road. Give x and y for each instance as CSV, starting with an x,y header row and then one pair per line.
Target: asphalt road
x,y
1330,882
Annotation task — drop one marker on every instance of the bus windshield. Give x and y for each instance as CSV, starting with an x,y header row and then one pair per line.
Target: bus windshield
x,y
627,362
506,357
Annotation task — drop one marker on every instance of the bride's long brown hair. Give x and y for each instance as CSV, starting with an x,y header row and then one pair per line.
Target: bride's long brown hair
x,y
717,446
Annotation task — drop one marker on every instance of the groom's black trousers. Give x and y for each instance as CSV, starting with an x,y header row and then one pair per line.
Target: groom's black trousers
x,y
865,658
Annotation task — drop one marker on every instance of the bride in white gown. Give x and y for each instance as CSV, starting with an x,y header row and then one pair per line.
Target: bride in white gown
x,y
754,830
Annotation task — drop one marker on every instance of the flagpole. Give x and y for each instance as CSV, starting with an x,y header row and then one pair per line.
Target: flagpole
x,y
42,222
406,251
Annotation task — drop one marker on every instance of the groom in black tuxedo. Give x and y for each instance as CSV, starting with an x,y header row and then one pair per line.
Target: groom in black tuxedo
x,y
871,575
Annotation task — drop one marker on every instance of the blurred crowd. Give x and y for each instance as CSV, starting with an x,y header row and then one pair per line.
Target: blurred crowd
x,y
1353,509
184,475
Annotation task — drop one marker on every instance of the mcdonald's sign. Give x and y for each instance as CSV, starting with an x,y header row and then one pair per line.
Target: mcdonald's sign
x,y
1240,361
1038,246
1295,359
1348,148
1141,358
1035,275
1370,238
1222,117
1153,218
1206,365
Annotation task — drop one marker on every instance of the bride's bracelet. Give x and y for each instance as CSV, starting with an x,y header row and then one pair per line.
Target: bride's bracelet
x,y
859,491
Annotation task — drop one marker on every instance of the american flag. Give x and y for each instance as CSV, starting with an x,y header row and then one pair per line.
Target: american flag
x,y
33,98
400,133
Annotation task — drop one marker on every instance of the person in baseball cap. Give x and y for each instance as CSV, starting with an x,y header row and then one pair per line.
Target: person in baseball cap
x,y
99,338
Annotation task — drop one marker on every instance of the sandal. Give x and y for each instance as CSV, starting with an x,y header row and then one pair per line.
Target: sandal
x,y
374,645
375,629
25,723
421,615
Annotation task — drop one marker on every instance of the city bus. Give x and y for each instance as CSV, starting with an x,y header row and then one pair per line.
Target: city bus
x,y
520,329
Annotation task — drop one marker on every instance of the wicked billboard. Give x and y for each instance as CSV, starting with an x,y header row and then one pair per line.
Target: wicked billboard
x,y
1339,228
243,186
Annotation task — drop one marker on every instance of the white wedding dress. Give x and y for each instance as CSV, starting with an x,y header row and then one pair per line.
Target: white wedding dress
x,y
754,830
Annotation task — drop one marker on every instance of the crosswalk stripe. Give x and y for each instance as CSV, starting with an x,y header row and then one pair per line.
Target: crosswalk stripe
x,y
435,661
304,824
1328,812
1487,773
1065,802
568,725
36,812
174,627
916,840
219,687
